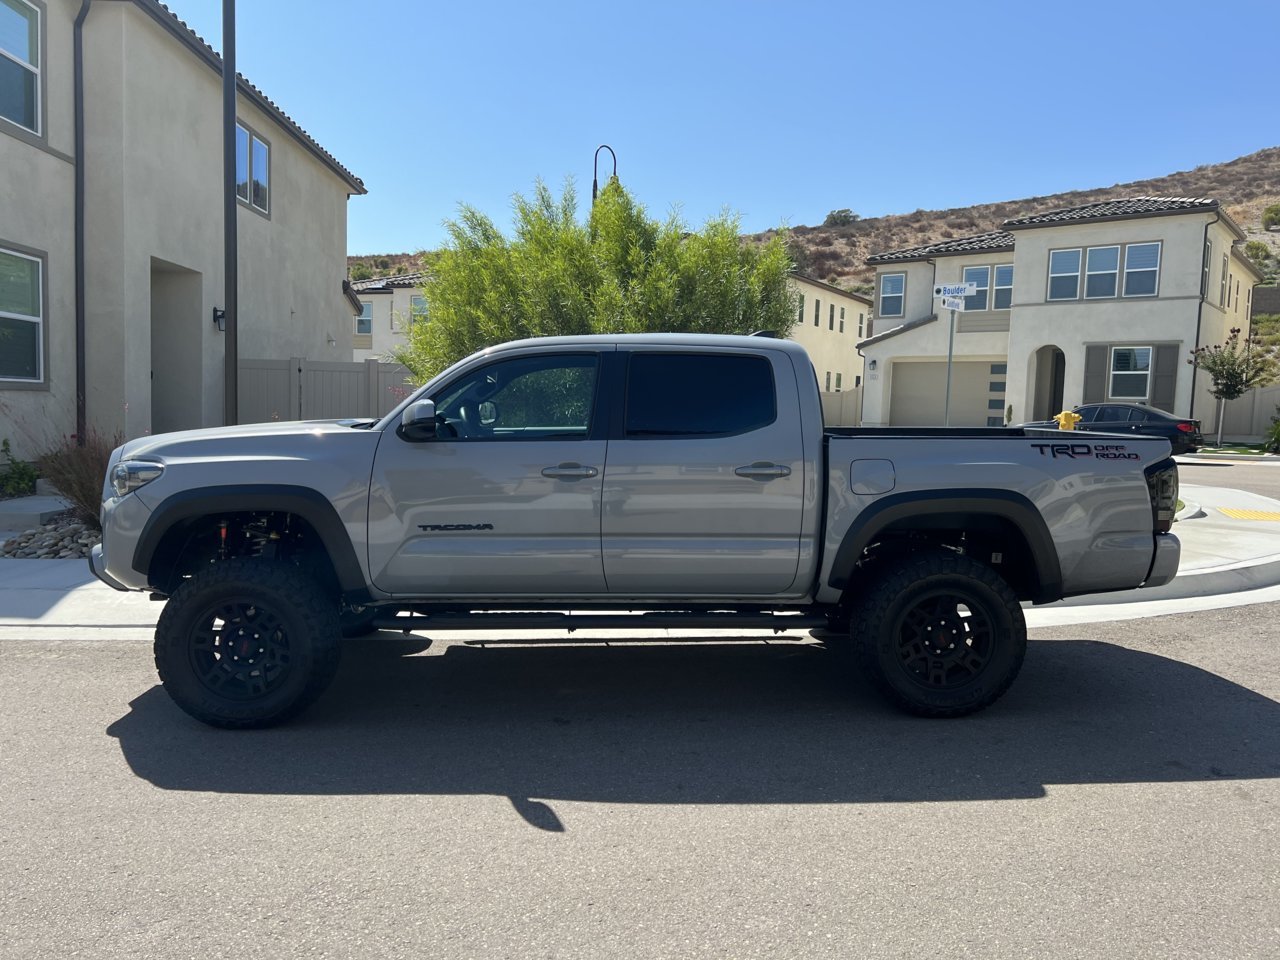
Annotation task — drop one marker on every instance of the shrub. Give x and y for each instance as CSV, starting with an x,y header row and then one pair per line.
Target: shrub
x,y
1271,217
1271,440
17,477
78,472
841,218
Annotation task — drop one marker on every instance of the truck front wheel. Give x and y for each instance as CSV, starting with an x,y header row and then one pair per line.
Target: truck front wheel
x,y
247,643
940,635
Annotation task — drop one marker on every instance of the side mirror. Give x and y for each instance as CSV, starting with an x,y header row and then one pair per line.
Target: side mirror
x,y
418,422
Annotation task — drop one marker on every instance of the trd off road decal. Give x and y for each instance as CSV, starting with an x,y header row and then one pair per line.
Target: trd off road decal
x,y
453,527
1096,451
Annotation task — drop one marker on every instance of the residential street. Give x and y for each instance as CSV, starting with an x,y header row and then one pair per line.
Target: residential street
x,y
1256,477
651,801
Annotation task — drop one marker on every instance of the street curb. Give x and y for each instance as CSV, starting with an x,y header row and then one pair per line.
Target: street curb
x,y
1260,457
1189,511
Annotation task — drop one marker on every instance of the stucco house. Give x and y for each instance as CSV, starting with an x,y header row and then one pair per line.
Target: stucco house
x,y
389,306
1102,301
111,224
829,323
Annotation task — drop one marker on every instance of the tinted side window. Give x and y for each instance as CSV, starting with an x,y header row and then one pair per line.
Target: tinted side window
x,y
1138,416
527,398
702,394
1087,414
1113,415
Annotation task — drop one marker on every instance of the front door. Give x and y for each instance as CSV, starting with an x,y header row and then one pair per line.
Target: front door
x,y
505,500
704,488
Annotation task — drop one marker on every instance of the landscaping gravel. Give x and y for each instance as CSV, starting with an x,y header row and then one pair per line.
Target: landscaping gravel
x,y
62,538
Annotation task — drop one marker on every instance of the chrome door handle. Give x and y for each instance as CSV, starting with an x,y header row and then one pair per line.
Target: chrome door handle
x,y
763,470
569,471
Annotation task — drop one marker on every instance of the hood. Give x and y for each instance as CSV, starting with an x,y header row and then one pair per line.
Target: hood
x,y
257,440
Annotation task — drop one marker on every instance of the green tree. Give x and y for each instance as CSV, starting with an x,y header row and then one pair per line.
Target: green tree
x,y
619,272
841,218
1236,366
1271,217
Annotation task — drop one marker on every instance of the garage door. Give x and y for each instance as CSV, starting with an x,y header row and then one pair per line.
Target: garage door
x,y
919,390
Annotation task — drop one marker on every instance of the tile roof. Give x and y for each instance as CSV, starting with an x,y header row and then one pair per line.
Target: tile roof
x,y
1124,209
197,44
994,242
901,328
852,295
388,283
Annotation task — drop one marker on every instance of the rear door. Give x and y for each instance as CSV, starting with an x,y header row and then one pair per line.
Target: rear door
x,y
704,485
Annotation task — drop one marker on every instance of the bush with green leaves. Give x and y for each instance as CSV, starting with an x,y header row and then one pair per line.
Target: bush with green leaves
x,y
1271,440
1271,217
620,271
17,477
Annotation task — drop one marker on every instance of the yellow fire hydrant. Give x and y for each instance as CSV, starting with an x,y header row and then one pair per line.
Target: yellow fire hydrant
x,y
1067,420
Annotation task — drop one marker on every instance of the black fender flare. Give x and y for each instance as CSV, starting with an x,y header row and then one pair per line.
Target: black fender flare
x,y
1003,504
311,505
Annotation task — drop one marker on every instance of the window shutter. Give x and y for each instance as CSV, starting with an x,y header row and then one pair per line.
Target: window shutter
x,y
1164,376
1095,373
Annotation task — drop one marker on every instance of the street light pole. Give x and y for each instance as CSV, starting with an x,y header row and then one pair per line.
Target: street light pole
x,y
595,166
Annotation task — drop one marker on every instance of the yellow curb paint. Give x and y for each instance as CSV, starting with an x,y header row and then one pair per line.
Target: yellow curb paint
x,y
1250,514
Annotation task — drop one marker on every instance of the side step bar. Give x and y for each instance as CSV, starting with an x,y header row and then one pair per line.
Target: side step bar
x,y
599,621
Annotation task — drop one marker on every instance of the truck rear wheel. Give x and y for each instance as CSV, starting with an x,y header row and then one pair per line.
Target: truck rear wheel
x,y
939,634
247,643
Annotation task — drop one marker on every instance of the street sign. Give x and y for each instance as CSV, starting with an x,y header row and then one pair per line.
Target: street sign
x,y
953,303
955,289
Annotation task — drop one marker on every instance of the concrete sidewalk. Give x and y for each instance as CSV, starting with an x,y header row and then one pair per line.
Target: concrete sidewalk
x,y
1221,554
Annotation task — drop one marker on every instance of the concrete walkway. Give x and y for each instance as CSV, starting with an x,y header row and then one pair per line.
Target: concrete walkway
x,y
1221,554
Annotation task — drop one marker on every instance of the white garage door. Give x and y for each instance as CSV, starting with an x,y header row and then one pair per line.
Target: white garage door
x,y
919,389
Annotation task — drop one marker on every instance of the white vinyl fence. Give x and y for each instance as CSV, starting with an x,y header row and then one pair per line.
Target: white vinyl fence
x,y
298,389
1250,417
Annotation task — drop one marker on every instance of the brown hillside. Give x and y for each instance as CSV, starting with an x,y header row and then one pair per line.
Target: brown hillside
x,y
838,255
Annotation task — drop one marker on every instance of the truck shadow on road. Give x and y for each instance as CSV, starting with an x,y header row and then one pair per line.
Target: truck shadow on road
x,y
711,723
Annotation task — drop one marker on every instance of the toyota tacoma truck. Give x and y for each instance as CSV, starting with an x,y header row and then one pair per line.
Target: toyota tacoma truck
x,y
621,481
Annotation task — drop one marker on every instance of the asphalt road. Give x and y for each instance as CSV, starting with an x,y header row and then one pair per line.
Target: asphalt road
x,y
726,800
1260,478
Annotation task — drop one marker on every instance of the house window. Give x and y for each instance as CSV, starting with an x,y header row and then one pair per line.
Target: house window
x,y
364,322
996,404
1141,269
828,387
417,309
842,319
995,421
1004,287
21,317
839,376
1204,269
1064,274
1230,278
1222,283
831,317
1248,302
860,317
817,310
800,315
1130,373
999,368
253,169
1102,270
981,276
20,64
892,294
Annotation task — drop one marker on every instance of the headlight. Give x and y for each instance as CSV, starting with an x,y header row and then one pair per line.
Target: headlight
x,y
128,476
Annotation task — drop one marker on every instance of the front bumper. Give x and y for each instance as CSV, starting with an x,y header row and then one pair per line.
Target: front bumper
x,y
1164,566
98,564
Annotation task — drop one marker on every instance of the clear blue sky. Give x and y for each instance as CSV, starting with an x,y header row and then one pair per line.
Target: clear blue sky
x,y
780,112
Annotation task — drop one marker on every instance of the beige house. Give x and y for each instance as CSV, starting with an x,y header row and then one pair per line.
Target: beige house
x,y
111,147
1098,302
829,323
389,306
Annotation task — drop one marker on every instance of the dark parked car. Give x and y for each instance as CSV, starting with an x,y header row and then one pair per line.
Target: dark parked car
x,y
1183,434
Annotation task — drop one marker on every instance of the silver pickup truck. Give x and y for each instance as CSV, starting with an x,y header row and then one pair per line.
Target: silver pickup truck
x,y
621,481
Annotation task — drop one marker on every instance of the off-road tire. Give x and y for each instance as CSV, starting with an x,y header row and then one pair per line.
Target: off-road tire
x,y
247,643
939,634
